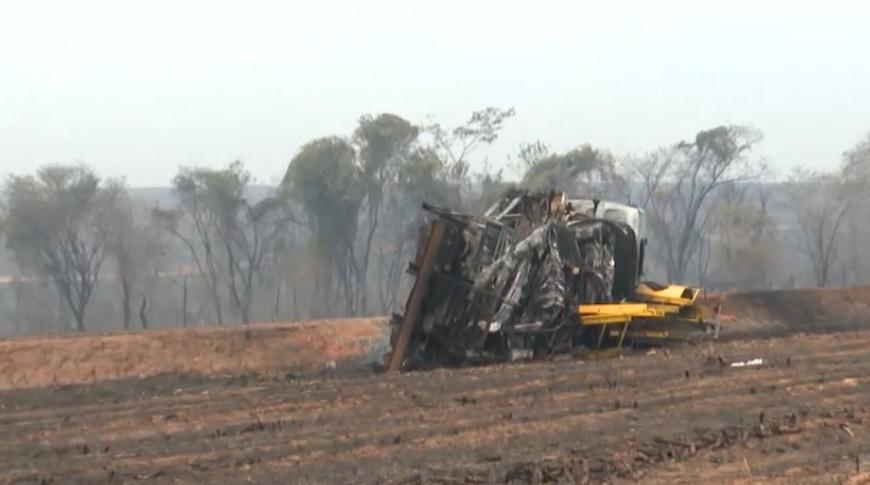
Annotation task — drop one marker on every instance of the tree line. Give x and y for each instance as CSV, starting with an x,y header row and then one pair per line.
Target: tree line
x,y
334,237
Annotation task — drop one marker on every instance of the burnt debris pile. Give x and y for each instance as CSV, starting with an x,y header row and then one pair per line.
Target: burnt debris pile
x,y
506,285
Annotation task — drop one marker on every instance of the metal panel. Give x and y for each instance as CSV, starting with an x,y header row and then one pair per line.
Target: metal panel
x,y
415,299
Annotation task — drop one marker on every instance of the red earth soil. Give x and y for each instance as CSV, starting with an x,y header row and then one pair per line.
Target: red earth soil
x,y
304,347
206,351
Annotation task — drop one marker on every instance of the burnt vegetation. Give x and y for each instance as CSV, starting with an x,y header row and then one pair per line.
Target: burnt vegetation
x,y
335,236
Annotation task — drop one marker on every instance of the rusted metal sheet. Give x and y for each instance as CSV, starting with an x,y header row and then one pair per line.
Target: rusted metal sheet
x,y
418,293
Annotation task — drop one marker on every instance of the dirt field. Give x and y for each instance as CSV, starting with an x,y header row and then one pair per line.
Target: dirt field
x,y
678,415
782,312
672,417
204,351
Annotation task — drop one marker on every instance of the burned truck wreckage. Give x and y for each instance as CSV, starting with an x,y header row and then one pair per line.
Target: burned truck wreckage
x,y
538,274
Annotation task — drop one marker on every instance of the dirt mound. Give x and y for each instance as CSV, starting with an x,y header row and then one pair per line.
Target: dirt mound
x,y
780,312
208,351
305,347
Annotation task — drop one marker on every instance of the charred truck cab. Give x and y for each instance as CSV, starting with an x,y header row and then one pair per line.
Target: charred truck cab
x,y
537,274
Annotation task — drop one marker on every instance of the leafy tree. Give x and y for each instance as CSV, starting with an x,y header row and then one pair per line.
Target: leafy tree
x,y
856,162
820,203
491,186
583,170
453,146
825,204
531,153
326,180
855,172
746,251
679,182
421,176
55,222
137,248
227,233
425,177
385,142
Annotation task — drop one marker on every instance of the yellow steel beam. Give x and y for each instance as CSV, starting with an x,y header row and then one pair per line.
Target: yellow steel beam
x,y
674,294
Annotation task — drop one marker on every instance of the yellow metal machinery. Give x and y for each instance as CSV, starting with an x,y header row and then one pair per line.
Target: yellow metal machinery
x,y
653,313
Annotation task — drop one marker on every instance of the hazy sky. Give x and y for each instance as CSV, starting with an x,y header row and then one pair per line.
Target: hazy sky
x,y
137,88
